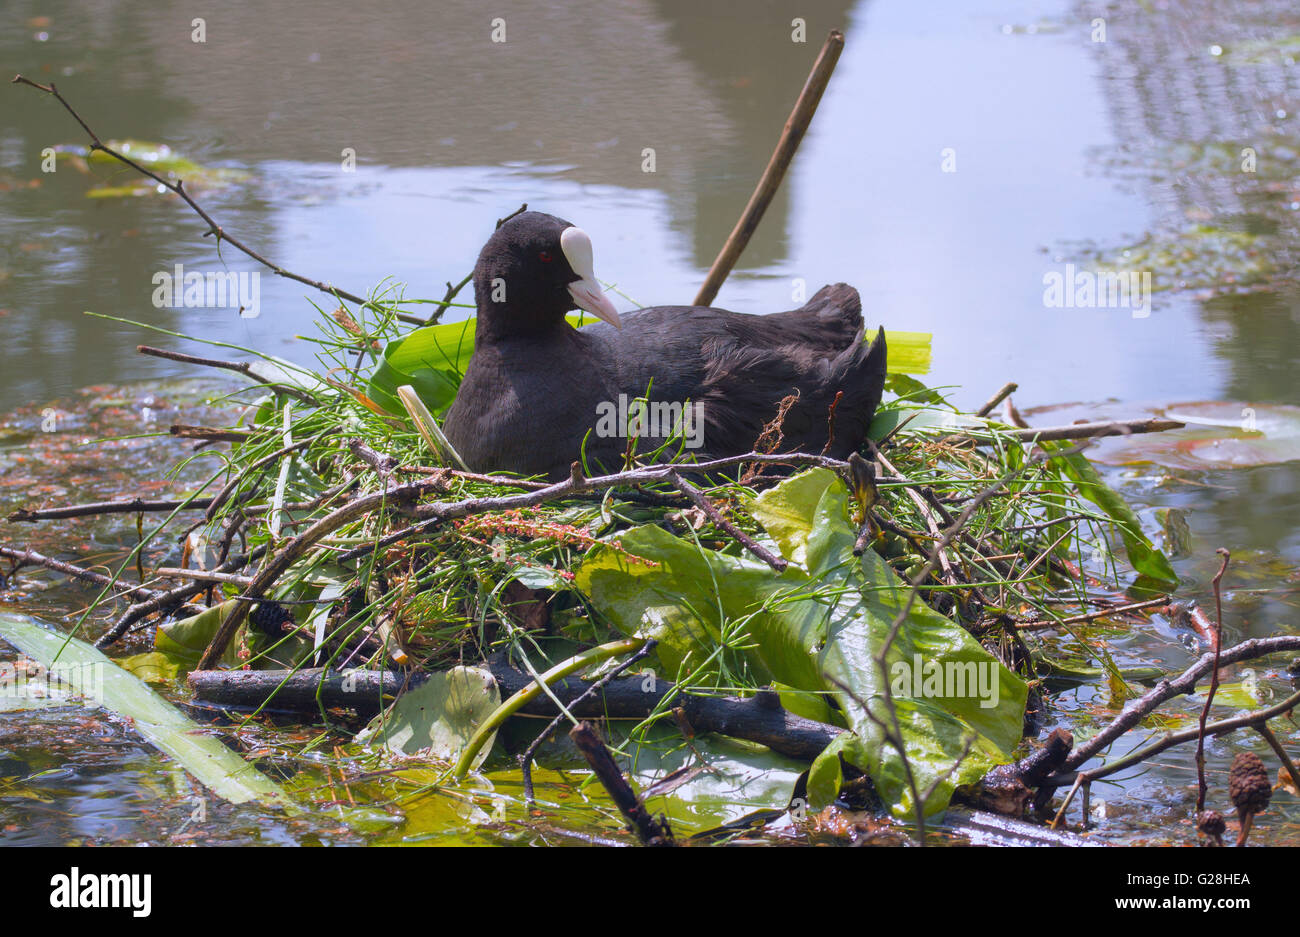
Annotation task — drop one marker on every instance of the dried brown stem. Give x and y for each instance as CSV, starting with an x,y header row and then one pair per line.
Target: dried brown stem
x,y
795,127
210,433
172,599
1092,616
698,498
1083,430
1007,390
1201,786
95,508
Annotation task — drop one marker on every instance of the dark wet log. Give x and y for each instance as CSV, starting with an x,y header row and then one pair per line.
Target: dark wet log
x,y
1007,789
366,691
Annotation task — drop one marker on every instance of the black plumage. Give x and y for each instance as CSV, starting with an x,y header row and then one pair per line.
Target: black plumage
x,y
536,387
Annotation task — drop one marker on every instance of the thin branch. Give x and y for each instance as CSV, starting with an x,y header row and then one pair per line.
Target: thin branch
x,y
526,759
1137,710
24,557
1080,430
178,188
175,597
795,127
239,367
1092,616
697,498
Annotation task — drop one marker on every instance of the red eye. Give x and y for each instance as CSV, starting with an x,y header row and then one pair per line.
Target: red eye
x,y
544,257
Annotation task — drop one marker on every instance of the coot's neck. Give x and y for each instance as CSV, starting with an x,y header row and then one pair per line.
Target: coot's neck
x,y
516,316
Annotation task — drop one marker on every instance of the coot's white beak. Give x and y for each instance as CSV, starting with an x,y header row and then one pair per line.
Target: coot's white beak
x,y
586,292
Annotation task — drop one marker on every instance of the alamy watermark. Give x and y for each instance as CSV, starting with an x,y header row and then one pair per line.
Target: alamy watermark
x,y
230,289
1098,289
77,889
949,679
667,420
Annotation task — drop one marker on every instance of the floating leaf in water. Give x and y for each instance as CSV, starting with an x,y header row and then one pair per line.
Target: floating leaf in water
x,y
92,674
1218,435
157,157
438,717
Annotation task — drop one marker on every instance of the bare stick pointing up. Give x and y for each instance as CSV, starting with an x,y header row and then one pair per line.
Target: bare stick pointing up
x,y
795,127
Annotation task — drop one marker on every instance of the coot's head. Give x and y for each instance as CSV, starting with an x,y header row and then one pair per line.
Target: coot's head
x,y
533,270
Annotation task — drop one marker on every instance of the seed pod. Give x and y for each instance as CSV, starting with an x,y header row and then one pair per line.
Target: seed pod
x,y
1210,823
1249,787
272,619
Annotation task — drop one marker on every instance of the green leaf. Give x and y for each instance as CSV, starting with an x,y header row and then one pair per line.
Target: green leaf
x,y
871,595
432,360
438,717
934,740
95,676
178,646
1146,559
824,778
738,777
909,352
816,628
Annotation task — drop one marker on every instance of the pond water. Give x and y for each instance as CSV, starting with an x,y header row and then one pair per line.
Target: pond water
x,y
964,151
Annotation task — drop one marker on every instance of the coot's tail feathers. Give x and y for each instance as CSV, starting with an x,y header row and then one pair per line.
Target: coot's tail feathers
x,y
744,386
859,372
826,323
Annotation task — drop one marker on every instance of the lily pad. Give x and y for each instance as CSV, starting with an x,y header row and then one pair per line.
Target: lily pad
x,y
157,157
1218,435
439,717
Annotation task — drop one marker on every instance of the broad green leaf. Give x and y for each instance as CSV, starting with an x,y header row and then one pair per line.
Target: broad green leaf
x,y
156,666
95,676
975,685
178,646
739,777
825,777
808,704
909,387
935,741
816,627
909,352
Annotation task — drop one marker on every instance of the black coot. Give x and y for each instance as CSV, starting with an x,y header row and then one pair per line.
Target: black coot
x,y
536,387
